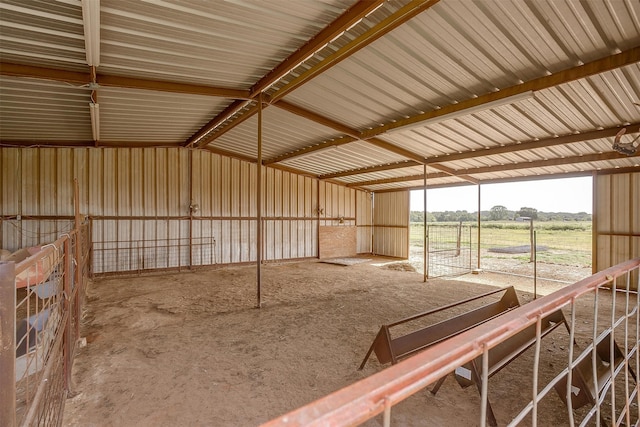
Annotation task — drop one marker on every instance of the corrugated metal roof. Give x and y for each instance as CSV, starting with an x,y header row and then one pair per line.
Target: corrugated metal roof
x,y
283,132
42,33
151,116
40,110
229,44
451,53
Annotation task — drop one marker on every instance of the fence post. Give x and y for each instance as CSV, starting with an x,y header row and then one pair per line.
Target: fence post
x,y
531,240
7,344
459,238
69,337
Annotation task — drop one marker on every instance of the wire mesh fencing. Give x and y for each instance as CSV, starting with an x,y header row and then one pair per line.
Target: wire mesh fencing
x,y
45,287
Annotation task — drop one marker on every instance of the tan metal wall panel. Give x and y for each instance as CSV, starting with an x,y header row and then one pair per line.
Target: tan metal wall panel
x,y
364,221
391,224
617,219
9,181
138,200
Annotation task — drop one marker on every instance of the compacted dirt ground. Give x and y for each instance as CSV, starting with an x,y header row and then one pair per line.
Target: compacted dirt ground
x,y
191,349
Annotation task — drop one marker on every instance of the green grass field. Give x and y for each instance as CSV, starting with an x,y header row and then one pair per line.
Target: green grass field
x,y
568,243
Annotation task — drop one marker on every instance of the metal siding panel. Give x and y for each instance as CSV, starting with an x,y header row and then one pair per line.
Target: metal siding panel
x,y
10,185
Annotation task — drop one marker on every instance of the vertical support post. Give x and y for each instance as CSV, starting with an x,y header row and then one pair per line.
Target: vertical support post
x,y
318,217
479,224
535,267
594,224
191,212
532,249
78,279
69,339
7,344
459,238
259,209
425,237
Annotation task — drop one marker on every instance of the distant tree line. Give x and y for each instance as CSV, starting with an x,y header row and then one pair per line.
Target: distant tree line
x,y
499,213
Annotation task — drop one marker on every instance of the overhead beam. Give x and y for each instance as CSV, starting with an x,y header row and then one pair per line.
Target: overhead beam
x,y
318,118
335,143
326,35
397,179
598,66
19,70
511,148
350,17
231,109
370,169
532,145
611,171
74,77
185,88
241,119
596,157
402,15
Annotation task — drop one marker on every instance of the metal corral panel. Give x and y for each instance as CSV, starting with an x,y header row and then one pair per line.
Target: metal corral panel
x,y
391,224
617,219
344,157
33,110
282,132
42,33
228,44
364,221
151,116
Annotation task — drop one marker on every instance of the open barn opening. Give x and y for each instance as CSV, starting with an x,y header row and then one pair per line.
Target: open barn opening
x,y
536,229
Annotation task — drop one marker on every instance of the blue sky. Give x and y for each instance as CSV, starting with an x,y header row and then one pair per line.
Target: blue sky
x,y
556,195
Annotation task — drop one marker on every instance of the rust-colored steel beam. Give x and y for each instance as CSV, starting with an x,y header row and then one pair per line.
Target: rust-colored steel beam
x,y
74,77
344,21
532,145
320,119
18,70
350,17
335,143
402,15
528,145
135,83
398,179
598,66
612,155
231,109
377,168
240,119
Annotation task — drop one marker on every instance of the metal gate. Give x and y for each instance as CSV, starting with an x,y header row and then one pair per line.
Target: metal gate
x,y
450,250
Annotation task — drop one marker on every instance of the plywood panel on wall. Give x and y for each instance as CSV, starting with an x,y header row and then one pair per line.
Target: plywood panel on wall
x,y
391,224
337,241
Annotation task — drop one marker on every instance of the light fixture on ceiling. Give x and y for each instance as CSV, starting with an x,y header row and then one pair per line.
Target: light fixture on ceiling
x,y
466,111
91,21
94,110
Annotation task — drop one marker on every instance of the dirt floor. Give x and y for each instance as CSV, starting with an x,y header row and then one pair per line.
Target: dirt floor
x,y
190,349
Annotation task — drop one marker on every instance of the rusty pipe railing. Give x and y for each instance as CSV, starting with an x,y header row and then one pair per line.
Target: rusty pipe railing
x,y
371,396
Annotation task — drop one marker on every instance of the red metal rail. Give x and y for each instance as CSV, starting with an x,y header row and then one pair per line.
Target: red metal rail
x,y
365,399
